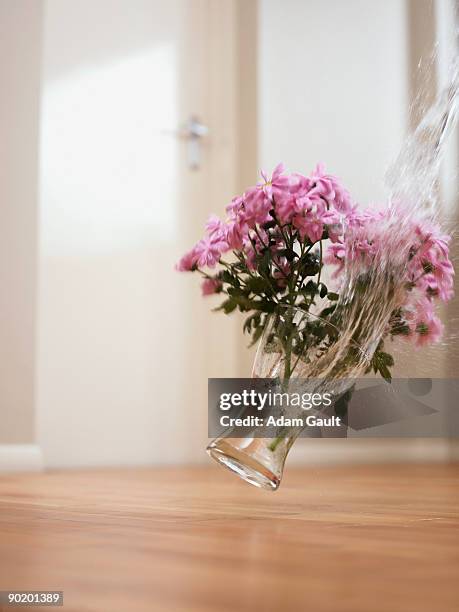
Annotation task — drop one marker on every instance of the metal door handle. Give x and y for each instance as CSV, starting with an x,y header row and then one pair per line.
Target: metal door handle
x,y
192,131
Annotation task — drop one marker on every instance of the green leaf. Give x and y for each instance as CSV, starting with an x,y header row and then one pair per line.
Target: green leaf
x,y
264,306
309,264
381,362
257,335
323,290
310,288
252,321
257,284
398,325
264,262
243,302
327,311
227,306
236,292
385,373
385,358
289,254
333,297
226,277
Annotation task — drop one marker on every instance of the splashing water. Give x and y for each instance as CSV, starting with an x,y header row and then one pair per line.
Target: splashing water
x,y
412,178
371,293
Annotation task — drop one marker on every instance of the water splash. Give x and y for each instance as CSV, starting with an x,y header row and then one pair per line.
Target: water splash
x,y
371,293
373,287
412,179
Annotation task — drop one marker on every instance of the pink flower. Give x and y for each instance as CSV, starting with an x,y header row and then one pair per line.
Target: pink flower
x,y
425,327
443,275
428,330
234,232
285,209
335,255
297,204
228,235
430,267
210,286
236,206
434,289
310,226
278,185
256,206
323,184
215,226
187,262
374,238
209,252
429,237
330,188
300,184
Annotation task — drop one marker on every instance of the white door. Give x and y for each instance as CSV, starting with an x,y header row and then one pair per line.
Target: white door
x,y
123,340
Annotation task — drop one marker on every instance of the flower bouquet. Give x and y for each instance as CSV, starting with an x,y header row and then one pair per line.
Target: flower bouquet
x,y
283,245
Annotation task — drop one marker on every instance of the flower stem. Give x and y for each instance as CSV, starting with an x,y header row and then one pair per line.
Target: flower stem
x,y
320,262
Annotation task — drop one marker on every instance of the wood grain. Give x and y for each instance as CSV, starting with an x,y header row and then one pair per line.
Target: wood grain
x,y
199,540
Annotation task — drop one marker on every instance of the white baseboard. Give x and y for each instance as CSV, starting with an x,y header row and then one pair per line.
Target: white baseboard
x,y
29,458
20,458
347,451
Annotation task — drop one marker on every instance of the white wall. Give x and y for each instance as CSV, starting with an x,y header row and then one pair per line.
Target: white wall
x,y
20,54
333,87
125,343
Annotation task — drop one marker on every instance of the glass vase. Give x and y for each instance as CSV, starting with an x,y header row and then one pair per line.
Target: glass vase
x,y
296,349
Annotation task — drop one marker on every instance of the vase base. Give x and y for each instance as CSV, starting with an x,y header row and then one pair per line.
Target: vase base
x,y
246,467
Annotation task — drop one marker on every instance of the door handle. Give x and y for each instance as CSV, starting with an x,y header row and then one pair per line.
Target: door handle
x,y
193,131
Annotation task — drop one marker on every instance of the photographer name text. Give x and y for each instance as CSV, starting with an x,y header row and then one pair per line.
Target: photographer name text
x,y
280,421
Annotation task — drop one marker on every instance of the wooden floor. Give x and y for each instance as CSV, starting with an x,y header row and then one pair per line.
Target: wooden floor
x,y
349,539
